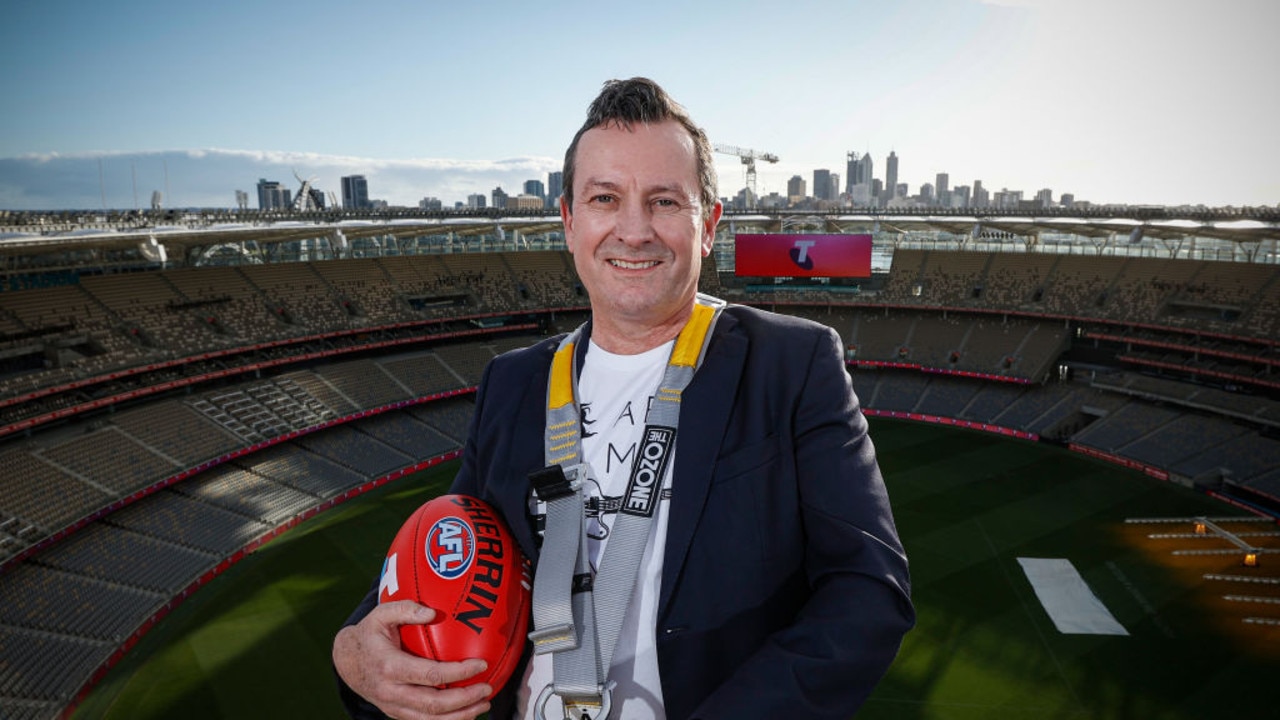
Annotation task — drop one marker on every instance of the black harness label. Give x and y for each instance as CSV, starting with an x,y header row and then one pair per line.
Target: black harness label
x,y
644,487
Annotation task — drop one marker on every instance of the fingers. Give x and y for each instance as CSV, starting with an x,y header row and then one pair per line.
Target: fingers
x,y
369,658
438,674
403,612
423,703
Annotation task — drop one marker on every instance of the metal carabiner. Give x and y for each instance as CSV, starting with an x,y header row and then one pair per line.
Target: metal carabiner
x,y
581,708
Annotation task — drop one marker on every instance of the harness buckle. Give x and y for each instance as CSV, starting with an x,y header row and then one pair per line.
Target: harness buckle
x,y
577,707
557,481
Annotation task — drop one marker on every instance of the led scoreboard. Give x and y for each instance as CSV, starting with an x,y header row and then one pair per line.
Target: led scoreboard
x,y
774,255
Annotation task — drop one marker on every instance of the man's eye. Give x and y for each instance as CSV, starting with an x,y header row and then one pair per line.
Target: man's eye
x,y
602,199
665,205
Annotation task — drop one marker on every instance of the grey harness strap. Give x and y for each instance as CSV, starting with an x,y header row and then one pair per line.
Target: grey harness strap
x,y
567,600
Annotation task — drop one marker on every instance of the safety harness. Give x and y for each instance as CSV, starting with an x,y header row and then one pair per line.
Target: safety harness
x,y
577,617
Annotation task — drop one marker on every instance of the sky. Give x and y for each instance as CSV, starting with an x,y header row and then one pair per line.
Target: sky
x,y
1116,101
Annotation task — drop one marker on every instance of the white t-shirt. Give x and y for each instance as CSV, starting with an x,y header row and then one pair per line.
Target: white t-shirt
x,y
615,392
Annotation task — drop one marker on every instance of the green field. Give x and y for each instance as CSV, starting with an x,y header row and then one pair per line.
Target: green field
x,y
254,643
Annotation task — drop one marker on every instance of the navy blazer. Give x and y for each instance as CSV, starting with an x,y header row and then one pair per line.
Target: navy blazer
x,y
785,590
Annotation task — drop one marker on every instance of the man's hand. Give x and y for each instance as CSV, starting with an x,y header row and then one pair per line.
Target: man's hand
x,y
370,660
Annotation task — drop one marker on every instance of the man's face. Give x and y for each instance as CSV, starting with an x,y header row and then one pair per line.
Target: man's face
x,y
637,229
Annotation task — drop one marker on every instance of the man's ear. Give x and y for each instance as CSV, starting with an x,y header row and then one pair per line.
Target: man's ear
x,y
708,228
566,217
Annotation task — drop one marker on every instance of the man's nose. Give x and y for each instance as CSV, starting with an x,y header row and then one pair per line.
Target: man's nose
x,y
634,221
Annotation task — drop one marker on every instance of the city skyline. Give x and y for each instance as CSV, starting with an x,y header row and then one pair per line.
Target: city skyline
x,y
1138,102
136,180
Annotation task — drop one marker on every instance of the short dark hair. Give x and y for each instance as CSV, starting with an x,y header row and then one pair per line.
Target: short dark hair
x,y
641,100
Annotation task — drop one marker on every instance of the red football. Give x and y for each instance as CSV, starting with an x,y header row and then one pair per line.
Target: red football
x,y
457,557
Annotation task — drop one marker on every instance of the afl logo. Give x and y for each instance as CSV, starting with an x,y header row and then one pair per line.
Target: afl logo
x,y
450,547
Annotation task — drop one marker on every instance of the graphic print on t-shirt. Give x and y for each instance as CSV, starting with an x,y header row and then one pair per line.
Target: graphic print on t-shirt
x,y
621,441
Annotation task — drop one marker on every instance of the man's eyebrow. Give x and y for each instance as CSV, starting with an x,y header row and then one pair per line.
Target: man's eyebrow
x,y
599,184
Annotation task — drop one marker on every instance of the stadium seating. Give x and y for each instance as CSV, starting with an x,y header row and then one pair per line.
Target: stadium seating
x,y
275,364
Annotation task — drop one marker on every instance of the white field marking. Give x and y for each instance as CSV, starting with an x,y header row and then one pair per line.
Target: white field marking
x,y
1066,597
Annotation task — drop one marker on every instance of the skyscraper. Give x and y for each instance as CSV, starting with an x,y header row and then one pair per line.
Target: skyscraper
x,y
822,184
866,170
943,188
795,189
891,176
535,188
273,195
555,187
355,192
851,171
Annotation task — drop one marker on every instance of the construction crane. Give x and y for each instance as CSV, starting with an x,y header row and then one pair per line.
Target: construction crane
x,y
748,158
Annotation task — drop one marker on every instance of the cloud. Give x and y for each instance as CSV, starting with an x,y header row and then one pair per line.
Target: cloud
x,y
209,177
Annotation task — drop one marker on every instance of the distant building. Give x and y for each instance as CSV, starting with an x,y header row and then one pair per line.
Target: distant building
x,y
1067,200
866,170
431,203
273,195
1007,199
795,190
926,194
822,184
535,188
524,201
1044,198
860,195
743,200
355,193
981,198
891,176
555,187
498,198
475,201
943,188
851,171
772,201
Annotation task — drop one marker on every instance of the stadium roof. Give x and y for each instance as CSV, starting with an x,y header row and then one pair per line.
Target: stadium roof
x,y
33,234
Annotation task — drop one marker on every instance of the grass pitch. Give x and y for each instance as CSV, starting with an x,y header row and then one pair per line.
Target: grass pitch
x,y
255,642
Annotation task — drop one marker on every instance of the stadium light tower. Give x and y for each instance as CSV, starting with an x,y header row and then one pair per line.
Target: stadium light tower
x,y
748,158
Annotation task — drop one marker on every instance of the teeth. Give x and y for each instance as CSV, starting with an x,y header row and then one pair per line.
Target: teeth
x,y
628,265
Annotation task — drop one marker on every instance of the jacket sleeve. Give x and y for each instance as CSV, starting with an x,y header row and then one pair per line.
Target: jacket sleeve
x,y
847,631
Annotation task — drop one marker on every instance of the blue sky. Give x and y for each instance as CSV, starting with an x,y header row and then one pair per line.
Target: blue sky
x,y
1115,101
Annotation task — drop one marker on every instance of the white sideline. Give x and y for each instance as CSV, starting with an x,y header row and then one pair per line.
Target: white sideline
x,y
1072,606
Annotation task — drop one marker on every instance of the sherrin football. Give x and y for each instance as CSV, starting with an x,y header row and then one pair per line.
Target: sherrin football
x,y
455,555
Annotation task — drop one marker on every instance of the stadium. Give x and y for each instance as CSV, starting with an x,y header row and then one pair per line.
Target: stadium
x,y
198,409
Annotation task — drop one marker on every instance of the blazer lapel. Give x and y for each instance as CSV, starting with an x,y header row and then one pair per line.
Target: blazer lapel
x,y
705,411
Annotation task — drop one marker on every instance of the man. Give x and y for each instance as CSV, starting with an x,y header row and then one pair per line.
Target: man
x,y
772,584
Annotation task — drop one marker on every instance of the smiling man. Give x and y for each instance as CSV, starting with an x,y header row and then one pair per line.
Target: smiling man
x,y
737,556
638,226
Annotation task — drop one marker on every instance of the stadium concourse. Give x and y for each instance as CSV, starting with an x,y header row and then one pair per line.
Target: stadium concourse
x,y
157,424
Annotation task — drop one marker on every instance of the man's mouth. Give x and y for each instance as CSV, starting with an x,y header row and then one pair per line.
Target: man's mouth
x,y
633,264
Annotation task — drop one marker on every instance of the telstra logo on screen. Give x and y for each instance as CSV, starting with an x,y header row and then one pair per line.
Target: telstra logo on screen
x,y
784,255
